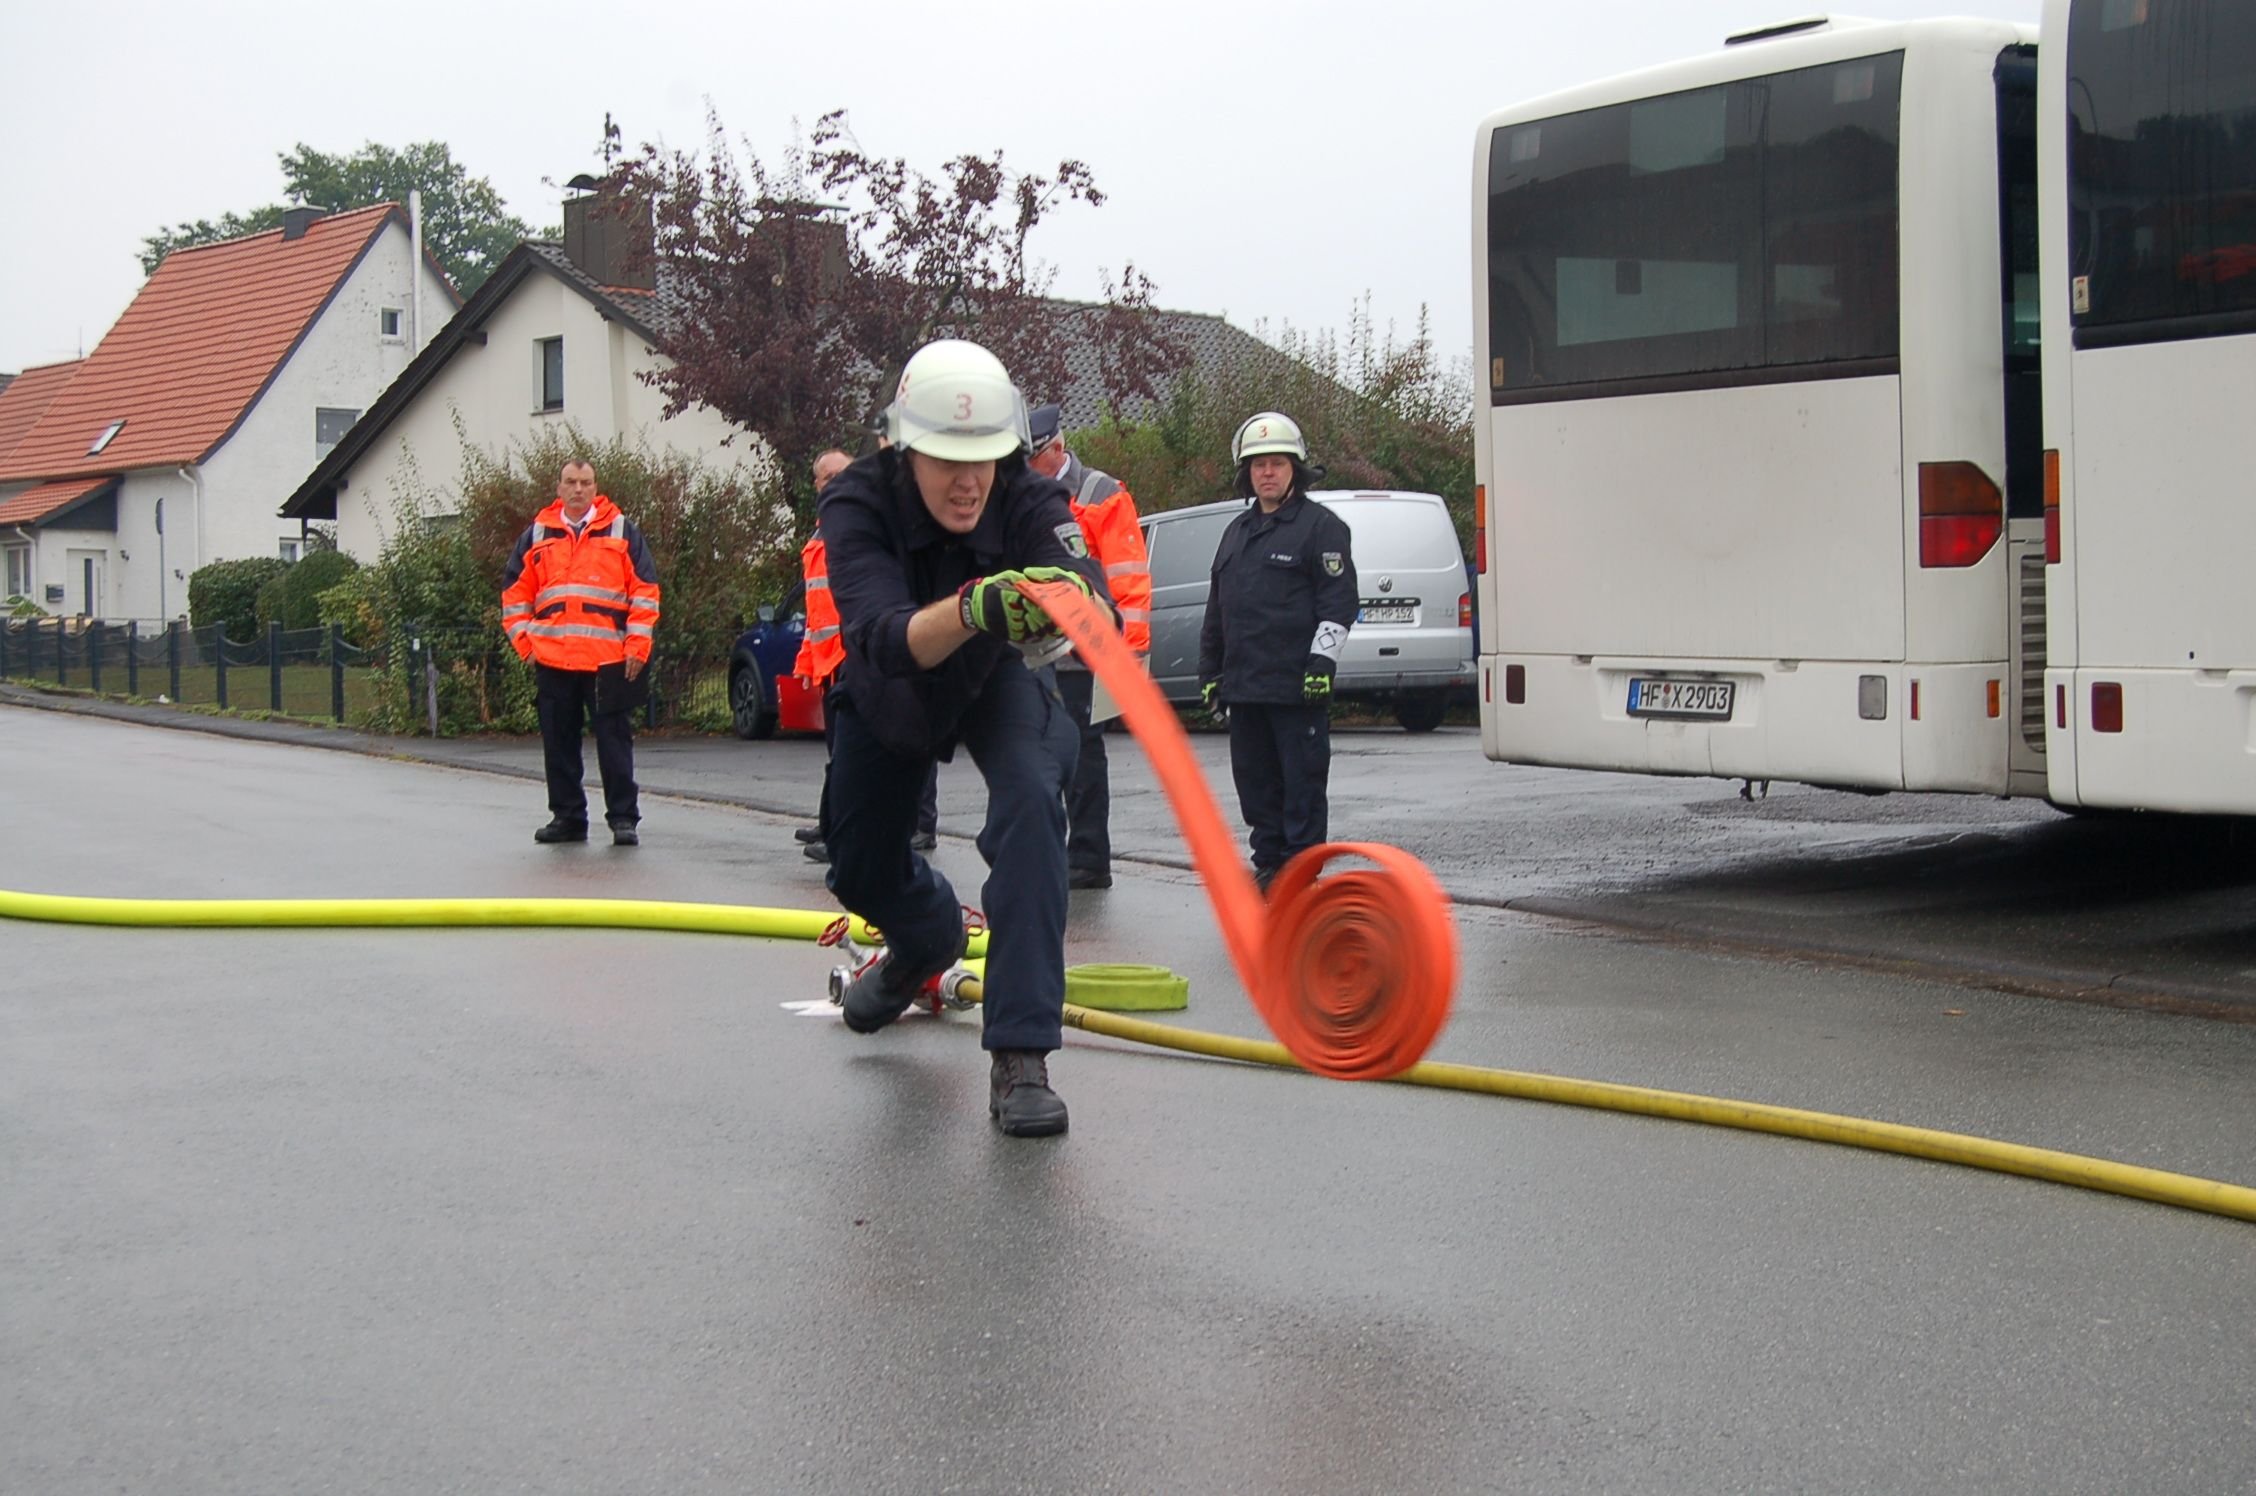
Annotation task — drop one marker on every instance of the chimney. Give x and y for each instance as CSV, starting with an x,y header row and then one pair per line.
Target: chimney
x,y
295,221
809,234
609,247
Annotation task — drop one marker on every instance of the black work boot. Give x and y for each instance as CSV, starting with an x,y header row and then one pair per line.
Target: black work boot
x,y
806,834
882,991
561,831
1019,1094
624,834
877,995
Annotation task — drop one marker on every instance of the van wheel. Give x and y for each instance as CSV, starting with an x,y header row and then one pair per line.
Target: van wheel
x,y
1420,713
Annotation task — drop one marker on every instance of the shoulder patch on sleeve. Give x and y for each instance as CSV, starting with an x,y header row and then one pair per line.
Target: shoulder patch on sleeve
x,y
1076,544
1334,564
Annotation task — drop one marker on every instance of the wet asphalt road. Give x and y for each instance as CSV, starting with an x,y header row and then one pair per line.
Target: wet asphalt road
x,y
592,1211
2155,912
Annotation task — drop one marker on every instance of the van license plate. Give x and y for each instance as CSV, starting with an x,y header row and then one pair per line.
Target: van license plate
x,y
1652,696
1389,612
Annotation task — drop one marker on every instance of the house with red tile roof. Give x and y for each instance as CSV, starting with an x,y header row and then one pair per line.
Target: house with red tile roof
x,y
559,334
236,368
568,333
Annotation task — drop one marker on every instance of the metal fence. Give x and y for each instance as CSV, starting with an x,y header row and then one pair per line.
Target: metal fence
x,y
439,682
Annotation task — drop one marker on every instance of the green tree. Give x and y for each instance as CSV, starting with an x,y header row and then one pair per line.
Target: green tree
x,y
466,226
1378,413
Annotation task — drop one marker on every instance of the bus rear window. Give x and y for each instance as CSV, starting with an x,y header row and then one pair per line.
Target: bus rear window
x,y
2162,168
1699,238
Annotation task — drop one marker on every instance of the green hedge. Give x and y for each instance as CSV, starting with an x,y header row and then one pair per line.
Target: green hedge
x,y
226,593
293,599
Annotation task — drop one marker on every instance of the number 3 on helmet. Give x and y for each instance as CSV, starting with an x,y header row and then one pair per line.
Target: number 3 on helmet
x,y
1269,431
956,402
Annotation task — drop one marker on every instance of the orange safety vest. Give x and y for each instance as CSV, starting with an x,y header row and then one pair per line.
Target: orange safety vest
x,y
1116,539
822,651
580,601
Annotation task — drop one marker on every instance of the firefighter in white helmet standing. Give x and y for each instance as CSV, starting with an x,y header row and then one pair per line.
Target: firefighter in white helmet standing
x,y
1278,609
925,538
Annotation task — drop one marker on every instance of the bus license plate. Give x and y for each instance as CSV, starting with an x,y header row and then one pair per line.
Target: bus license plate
x,y
1650,696
1405,611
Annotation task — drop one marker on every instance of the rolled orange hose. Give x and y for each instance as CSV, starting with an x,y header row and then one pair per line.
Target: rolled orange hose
x,y
1354,972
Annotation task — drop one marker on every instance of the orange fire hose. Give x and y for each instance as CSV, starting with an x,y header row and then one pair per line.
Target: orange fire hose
x,y
1354,972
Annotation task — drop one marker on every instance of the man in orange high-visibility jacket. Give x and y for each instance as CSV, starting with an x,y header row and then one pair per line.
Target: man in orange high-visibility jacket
x,y
580,600
1107,512
822,654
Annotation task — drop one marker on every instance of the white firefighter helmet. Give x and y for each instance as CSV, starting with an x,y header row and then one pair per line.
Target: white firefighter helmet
x,y
1270,431
956,402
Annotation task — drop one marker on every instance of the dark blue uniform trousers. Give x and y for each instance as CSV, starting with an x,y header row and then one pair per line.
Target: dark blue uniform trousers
x,y
1281,758
928,808
1088,799
1023,740
563,698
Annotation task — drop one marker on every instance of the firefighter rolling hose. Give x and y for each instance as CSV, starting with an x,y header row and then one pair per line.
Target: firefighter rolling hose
x,y
1353,973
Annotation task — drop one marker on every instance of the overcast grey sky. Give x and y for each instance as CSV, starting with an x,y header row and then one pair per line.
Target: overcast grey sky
x,y
1273,162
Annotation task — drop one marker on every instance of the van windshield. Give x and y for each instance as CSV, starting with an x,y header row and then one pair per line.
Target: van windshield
x,y
1400,535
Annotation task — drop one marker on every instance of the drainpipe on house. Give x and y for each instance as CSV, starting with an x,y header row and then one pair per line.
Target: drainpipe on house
x,y
415,274
195,481
31,563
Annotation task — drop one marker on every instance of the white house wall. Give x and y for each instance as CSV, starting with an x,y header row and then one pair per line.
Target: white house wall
x,y
343,363
225,510
494,390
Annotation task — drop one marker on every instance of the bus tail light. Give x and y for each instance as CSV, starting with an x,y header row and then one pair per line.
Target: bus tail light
x,y
2107,706
1480,530
1464,610
1515,685
2052,506
1961,514
1993,698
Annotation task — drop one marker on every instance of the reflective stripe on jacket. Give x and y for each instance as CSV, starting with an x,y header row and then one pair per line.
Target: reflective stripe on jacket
x,y
579,602
822,651
1107,512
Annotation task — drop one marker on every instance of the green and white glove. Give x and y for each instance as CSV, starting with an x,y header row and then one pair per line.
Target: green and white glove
x,y
994,606
1316,686
1055,574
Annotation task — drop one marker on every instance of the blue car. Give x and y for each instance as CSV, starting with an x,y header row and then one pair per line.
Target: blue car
x,y
761,656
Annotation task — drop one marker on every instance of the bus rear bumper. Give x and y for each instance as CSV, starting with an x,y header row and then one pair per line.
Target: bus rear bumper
x,y
2186,740
1845,723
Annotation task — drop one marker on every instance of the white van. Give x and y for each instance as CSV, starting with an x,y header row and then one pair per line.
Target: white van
x,y
1412,643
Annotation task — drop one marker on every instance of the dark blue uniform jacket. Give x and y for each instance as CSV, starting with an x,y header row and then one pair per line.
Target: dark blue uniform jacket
x,y
1276,576
889,557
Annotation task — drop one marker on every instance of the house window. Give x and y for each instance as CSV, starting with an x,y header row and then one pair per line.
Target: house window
x,y
19,571
109,434
293,550
388,322
551,373
330,424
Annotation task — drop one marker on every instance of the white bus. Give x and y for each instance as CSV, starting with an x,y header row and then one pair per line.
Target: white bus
x,y
2150,401
1760,458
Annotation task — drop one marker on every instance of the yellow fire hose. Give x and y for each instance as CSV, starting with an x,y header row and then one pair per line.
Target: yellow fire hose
x,y
2187,1191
